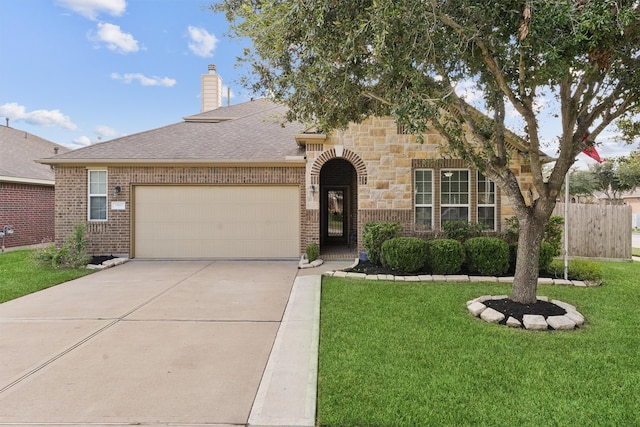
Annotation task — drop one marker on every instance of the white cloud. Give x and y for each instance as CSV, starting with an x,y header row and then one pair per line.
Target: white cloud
x,y
114,38
202,43
48,118
82,141
144,80
103,131
92,8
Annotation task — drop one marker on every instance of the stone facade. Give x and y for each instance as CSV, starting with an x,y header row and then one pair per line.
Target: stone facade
x,y
384,160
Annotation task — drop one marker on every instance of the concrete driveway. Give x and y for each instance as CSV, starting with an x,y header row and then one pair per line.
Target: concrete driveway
x,y
149,342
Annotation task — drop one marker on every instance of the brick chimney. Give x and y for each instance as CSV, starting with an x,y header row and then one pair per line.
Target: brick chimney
x,y
211,90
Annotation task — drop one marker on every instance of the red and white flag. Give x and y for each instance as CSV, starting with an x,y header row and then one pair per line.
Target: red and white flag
x,y
590,150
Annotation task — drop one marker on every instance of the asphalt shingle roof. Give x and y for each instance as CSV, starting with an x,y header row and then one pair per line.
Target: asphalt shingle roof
x,y
19,151
248,132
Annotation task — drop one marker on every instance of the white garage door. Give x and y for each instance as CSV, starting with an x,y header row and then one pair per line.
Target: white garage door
x,y
174,222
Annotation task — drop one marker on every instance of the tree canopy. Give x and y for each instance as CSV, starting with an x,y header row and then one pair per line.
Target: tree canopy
x,y
334,62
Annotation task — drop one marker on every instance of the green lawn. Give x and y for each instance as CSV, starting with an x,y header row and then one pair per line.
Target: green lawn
x,y
410,355
20,275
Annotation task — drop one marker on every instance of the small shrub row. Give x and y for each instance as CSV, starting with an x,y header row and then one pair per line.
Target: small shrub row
x,y
489,256
578,269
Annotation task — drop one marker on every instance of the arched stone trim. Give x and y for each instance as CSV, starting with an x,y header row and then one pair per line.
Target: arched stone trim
x,y
353,158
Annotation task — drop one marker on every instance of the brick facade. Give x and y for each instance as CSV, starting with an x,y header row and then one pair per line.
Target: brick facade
x,y
372,159
114,235
29,210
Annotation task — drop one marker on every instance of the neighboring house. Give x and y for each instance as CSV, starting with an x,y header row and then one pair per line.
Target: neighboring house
x,y
233,182
633,199
26,187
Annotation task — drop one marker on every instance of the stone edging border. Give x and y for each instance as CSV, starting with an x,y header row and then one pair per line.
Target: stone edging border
x,y
453,278
570,320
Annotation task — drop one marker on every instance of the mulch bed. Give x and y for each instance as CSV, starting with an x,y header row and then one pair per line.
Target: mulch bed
x,y
518,310
97,260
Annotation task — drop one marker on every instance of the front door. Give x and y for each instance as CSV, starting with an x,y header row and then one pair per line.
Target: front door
x,y
334,220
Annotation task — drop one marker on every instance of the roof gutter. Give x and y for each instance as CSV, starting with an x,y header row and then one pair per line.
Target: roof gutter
x,y
289,161
18,180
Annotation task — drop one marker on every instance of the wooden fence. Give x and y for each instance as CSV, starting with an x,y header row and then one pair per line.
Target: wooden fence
x,y
598,231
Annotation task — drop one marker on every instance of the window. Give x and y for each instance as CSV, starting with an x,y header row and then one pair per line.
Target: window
x,y
424,198
486,202
97,195
454,195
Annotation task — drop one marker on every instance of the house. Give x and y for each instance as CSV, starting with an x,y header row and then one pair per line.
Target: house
x,y
26,187
633,199
234,182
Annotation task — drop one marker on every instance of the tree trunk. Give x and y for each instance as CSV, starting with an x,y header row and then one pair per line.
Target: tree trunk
x,y
525,281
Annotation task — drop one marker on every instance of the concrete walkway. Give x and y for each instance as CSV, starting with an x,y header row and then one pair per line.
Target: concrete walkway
x,y
156,343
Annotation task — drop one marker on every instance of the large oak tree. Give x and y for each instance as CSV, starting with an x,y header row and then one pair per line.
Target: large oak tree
x,y
339,61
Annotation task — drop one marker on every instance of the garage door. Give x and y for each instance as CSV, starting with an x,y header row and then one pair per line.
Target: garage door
x,y
174,222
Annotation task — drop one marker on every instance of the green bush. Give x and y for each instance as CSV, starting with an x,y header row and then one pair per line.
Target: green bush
x,y
445,256
73,253
578,269
487,256
312,251
374,234
462,230
547,252
406,254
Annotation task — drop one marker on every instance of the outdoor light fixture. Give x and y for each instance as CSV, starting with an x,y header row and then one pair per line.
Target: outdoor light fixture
x,y
116,190
312,190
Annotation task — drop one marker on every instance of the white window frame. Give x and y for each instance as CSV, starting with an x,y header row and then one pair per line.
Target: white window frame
x,y
488,205
423,205
444,206
97,195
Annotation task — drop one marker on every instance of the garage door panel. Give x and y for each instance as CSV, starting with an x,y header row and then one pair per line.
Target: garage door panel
x,y
217,222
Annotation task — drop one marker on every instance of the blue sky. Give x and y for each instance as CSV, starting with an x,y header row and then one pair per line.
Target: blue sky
x,y
81,71
77,72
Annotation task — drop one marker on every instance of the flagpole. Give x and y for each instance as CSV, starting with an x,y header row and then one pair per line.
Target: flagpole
x,y
566,226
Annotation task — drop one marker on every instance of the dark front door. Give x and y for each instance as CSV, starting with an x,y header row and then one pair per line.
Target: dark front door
x,y
334,220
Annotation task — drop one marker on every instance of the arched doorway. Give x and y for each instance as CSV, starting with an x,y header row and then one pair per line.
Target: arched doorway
x,y
338,204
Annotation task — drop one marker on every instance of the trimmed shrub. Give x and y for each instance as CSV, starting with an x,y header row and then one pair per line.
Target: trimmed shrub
x,y
312,251
374,234
445,256
462,230
579,269
547,252
488,256
406,254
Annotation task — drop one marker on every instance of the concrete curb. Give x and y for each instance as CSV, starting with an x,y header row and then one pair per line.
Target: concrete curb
x,y
287,393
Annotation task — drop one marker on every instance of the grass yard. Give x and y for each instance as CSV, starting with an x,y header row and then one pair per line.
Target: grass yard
x,y
20,275
410,355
